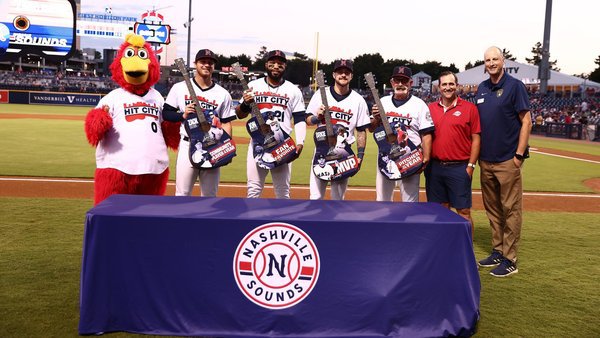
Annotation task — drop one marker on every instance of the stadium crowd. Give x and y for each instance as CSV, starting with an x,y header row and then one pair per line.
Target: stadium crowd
x,y
56,82
544,109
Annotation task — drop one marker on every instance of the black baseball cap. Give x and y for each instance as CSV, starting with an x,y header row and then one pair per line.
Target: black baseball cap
x,y
343,63
205,54
276,54
402,71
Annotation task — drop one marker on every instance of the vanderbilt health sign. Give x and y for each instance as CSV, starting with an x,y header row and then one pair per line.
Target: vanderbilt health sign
x,y
64,99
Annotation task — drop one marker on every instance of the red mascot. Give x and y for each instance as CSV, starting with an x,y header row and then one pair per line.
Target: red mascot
x,y
127,128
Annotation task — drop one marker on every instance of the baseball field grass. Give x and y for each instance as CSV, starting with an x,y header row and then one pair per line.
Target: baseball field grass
x,y
554,294
58,148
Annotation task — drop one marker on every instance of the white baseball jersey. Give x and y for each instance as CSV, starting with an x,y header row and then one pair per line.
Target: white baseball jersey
x,y
414,114
214,98
135,144
282,101
351,111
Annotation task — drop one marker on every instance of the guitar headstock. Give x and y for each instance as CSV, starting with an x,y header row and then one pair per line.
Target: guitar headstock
x,y
320,79
370,80
181,66
237,70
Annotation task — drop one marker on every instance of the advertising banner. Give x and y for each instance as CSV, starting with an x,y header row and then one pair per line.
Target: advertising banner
x,y
41,27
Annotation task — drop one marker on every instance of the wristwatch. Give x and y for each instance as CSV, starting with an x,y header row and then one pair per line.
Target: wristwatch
x,y
472,165
520,157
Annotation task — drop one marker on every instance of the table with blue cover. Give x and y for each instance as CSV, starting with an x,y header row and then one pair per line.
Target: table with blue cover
x,y
166,265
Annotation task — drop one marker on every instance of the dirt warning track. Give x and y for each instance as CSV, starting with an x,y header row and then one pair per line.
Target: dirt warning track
x,y
40,187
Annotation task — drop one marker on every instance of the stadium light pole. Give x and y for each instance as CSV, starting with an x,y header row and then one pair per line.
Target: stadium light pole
x,y
189,28
544,67
315,63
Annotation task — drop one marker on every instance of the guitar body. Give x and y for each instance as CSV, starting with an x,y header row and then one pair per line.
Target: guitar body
x,y
332,163
400,159
271,149
211,149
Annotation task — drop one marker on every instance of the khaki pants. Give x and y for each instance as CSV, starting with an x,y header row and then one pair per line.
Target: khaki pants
x,y
502,191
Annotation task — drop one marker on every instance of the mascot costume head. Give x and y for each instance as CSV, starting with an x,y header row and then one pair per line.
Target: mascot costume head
x,y
135,67
131,155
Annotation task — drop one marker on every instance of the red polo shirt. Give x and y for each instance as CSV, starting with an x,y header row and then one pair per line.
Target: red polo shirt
x,y
453,130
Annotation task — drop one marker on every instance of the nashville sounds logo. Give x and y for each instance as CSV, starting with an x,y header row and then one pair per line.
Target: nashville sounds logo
x,y
276,265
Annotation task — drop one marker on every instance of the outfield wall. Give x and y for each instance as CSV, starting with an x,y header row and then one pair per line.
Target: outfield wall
x,y
54,98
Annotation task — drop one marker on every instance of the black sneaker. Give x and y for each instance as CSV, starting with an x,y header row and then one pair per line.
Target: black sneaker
x,y
492,260
505,269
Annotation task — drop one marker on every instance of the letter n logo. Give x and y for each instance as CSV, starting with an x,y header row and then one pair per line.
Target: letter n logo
x,y
279,266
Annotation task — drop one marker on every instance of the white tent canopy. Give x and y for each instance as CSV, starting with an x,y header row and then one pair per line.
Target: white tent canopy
x,y
526,73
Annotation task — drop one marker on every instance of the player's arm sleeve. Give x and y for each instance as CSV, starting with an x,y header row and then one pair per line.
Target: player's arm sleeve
x,y
364,120
426,130
299,127
298,114
521,100
313,105
475,123
425,121
312,110
171,113
227,113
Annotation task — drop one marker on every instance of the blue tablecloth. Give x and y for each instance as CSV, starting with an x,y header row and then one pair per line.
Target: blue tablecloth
x,y
171,266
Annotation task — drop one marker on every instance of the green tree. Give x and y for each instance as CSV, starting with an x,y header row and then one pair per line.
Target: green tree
x,y
222,61
243,59
508,55
259,59
473,65
363,64
299,71
536,59
300,56
595,75
261,53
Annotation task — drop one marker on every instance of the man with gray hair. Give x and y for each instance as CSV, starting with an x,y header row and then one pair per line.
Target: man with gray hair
x,y
505,118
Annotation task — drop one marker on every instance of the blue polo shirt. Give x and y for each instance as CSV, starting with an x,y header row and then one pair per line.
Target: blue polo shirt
x,y
499,106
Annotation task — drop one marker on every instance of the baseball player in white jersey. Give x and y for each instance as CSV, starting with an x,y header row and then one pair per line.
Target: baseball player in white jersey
x,y
211,97
135,144
347,108
285,102
414,114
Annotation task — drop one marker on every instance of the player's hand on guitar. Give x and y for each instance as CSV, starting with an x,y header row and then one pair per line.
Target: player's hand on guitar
x,y
376,117
299,148
425,163
188,109
321,113
248,96
375,111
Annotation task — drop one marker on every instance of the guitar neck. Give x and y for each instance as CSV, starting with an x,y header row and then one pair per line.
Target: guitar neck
x,y
192,92
326,113
382,114
255,111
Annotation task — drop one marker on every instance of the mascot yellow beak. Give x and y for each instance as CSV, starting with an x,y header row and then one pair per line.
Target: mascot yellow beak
x,y
135,61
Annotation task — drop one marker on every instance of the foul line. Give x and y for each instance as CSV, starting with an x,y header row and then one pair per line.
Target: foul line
x,y
567,157
300,187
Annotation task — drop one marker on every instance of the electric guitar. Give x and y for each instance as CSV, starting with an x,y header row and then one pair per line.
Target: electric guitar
x,y
210,145
272,146
334,159
398,156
